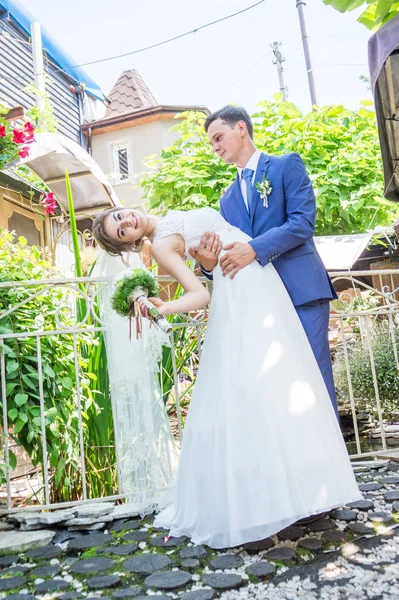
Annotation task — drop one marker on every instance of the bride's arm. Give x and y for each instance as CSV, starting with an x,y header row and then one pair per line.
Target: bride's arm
x,y
168,253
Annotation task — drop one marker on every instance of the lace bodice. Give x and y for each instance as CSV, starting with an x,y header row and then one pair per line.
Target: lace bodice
x,y
192,224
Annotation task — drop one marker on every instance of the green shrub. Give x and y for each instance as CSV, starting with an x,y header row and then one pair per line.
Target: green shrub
x,y
19,262
361,371
339,147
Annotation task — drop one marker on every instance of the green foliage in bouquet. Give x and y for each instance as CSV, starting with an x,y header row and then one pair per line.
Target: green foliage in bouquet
x,y
138,278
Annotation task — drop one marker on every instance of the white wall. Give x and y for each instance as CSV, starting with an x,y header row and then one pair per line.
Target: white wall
x,y
143,141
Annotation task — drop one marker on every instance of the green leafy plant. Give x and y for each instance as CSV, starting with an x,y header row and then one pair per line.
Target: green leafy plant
x,y
364,301
43,118
18,262
380,343
341,152
377,13
188,174
49,308
339,147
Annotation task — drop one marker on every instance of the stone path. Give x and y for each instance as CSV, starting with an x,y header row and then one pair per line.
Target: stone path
x,y
91,552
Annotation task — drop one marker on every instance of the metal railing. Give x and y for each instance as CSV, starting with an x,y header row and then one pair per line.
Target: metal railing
x,y
364,329
366,323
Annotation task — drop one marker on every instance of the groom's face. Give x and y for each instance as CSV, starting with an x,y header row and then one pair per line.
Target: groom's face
x,y
227,141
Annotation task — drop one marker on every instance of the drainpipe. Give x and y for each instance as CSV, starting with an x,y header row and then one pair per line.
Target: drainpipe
x,y
79,90
80,106
89,141
38,66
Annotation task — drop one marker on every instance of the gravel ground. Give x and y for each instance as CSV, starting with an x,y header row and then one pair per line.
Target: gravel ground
x,y
351,553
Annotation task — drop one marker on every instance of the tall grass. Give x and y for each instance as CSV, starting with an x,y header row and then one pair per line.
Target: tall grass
x,y
100,457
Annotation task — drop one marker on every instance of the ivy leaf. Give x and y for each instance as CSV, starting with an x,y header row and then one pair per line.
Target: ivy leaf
x,y
10,387
29,383
48,370
12,459
51,414
13,413
19,426
21,399
67,383
12,366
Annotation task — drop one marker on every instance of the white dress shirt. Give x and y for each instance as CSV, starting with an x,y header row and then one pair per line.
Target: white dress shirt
x,y
251,164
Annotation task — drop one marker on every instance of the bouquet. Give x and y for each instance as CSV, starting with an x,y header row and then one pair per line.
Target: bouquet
x,y
133,290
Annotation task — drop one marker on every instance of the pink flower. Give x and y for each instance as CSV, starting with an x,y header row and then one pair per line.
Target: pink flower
x,y
23,151
28,127
3,132
28,130
50,209
18,136
50,203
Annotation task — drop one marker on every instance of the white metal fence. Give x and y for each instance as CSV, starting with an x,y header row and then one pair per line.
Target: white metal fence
x,y
50,338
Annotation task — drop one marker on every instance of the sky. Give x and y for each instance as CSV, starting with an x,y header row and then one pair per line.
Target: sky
x,y
229,62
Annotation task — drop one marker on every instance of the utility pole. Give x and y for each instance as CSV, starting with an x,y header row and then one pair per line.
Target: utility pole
x,y
38,65
279,62
300,4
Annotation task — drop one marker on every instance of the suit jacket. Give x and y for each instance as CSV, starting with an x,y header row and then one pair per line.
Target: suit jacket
x,y
283,232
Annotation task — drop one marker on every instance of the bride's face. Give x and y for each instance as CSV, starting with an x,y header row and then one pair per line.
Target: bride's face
x,y
126,225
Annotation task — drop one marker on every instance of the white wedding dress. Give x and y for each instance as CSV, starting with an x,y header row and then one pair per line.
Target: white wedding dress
x,y
146,453
261,446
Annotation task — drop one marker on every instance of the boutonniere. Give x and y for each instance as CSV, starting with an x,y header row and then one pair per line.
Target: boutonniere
x,y
264,188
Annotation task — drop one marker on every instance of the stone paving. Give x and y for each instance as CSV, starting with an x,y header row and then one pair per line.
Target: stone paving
x,y
91,552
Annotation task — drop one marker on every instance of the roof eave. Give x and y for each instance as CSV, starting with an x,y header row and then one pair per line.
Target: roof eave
x,y
139,114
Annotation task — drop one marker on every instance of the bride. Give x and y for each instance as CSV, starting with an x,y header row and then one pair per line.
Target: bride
x,y
262,447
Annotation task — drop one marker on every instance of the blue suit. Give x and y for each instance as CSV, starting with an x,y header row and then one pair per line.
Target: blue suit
x,y
283,234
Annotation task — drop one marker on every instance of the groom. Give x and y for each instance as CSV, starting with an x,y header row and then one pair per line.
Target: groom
x,y
272,201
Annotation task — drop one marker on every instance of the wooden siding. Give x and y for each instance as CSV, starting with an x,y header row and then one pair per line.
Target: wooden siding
x,y
16,73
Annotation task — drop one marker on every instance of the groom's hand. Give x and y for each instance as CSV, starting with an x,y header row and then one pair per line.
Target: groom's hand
x,y
239,255
207,253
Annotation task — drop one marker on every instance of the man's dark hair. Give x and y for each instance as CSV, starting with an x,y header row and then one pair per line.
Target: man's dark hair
x,y
231,115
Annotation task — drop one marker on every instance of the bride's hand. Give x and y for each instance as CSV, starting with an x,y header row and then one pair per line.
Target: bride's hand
x,y
158,303
207,253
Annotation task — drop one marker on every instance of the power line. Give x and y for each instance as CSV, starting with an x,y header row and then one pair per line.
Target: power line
x,y
156,45
245,73
177,37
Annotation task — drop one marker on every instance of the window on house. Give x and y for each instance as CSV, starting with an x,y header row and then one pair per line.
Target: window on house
x,y
122,166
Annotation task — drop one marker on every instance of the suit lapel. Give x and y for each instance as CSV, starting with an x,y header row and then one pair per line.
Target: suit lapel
x,y
261,172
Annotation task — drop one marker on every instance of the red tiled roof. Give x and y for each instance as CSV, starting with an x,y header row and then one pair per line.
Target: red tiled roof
x,y
130,93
